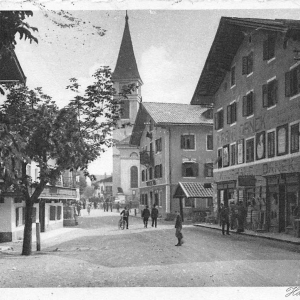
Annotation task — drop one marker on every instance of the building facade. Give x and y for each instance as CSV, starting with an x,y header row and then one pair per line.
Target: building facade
x,y
252,78
126,156
175,144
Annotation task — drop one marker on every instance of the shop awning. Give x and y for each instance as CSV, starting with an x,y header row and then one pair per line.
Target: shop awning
x,y
193,190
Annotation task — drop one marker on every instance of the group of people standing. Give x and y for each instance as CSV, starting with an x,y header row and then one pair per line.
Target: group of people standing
x,y
232,217
146,214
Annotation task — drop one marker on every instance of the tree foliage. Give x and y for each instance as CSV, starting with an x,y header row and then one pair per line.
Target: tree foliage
x,y
57,139
13,23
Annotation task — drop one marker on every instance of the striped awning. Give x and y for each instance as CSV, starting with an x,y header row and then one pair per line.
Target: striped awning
x,y
193,190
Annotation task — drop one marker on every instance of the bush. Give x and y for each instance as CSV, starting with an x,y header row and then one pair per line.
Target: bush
x,y
170,217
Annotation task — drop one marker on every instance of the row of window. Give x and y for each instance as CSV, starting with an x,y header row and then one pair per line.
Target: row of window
x,y
148,173
191,169
144,200
187,142
269,96
280,141
55,213
248,62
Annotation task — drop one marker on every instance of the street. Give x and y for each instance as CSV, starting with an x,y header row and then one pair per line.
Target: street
x,y
98,254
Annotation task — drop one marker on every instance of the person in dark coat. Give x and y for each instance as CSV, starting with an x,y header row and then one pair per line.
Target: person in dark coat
x,y
154,215
125,213
224,218
146,215
241,216
178,226
78,209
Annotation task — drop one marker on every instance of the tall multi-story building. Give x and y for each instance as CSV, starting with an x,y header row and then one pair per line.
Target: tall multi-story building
x,y
126,156
176,148
251,75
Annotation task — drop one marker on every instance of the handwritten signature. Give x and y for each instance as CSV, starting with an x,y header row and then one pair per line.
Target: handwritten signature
x,y
293,291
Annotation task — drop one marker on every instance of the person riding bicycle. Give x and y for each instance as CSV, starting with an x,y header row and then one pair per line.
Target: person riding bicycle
x,y
125,213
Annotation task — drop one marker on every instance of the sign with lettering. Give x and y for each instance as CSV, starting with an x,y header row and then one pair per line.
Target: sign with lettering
x,y
282,139
240,151
247,180
260,145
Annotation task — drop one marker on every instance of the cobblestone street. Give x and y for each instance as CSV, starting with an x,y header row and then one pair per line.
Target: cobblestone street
x,y
98,254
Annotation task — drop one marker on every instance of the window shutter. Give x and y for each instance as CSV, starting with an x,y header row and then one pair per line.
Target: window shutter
x,y
271,46
265,50
205,170
244,65
229,114
298,79
250,63
275,91
252,103
221,119
216,122
196,169
183,170
244,106
265,95
160,171
17,216
288,84
192,139
234,117
182,142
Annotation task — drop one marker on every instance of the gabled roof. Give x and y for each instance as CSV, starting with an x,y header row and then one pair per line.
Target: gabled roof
x,y
192,190
169,114
126,67
10,68
230,35
108,179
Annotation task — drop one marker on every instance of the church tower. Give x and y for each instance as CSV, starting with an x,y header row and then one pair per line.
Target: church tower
x,y
126,157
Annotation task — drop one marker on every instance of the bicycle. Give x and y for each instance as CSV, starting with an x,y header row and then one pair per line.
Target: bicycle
x,y
121,223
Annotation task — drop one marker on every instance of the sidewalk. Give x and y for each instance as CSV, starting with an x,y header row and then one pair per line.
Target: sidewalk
x,y
281,237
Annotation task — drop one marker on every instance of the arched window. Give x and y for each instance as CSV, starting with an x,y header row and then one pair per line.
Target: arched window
x,y
134,177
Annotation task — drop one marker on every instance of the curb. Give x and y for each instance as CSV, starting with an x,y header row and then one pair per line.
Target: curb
x,y
251,234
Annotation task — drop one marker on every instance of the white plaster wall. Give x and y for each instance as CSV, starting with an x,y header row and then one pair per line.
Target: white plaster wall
x,y
6,215
53,224
126,164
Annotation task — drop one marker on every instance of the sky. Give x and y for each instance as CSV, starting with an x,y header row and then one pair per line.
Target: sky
x,y
170,47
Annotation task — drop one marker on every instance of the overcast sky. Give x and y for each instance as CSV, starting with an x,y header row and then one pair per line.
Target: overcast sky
x,y
170,47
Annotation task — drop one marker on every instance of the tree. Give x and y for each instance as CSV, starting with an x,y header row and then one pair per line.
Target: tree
x,y
35,129
82,183
11,23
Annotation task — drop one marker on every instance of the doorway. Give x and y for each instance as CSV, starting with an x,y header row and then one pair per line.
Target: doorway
x,y
281,207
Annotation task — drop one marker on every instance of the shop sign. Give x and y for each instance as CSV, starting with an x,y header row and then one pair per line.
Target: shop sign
x,y
248,180
282,139
151,182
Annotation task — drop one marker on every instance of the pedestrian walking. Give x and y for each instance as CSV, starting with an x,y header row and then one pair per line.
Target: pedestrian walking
x,y
118,207
241,216
110,206
88,209
79,209
232,216
178,226
154,215
145,216
125,213
224,218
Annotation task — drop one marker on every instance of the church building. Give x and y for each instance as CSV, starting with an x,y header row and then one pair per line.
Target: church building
x,y
126,159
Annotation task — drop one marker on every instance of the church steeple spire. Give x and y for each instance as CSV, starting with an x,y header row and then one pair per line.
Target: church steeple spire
x,y
126,67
